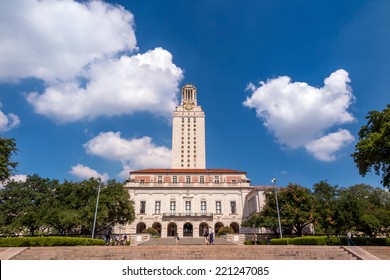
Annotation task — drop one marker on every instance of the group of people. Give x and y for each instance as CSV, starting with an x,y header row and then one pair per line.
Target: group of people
x,y
208,234
116,239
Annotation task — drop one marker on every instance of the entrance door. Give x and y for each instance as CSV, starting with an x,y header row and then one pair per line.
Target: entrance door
x,y
172,229
187,229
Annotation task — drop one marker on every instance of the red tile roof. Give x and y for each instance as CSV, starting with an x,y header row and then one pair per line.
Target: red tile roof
x,y
197,171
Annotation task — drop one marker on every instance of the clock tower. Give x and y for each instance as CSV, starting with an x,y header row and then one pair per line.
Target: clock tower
x,y
188,132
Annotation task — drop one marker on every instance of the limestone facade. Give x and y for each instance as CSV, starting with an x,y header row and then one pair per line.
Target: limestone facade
x,y
184,201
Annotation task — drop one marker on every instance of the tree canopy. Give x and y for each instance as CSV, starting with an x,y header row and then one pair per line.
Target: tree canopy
x,y
330,209
7,166
372,152
66,208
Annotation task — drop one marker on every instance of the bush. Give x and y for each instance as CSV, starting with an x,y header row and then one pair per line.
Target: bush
x,y
48,241
150,230
331,240
225,230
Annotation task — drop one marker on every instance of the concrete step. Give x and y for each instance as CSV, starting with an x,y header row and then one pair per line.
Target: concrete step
x,y
172,252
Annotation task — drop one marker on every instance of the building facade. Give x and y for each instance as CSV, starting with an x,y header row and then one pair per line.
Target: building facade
x,y
187,197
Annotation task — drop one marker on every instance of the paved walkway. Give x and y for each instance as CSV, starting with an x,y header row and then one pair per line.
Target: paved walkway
x,y
184,241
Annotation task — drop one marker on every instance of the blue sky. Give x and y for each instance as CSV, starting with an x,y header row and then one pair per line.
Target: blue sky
x,y
88,88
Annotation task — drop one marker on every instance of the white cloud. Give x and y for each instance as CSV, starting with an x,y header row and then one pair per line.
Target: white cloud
x,y
325,147
132,153
297,113
8,122
85,172
84,53
143,82
15,178
55,40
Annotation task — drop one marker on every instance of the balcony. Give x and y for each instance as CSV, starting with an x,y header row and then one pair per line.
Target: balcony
x,y
187,216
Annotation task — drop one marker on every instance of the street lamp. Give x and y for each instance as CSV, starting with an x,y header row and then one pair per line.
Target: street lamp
x,y
97,204
277,206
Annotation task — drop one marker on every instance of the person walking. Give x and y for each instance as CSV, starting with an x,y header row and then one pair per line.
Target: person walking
x,y
206,235
211,236
107,236
349,238
177,238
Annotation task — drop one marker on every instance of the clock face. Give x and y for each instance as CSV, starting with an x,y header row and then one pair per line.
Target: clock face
x,y
188,105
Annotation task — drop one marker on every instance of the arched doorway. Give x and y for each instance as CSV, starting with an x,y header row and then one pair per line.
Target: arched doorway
x,y
171,229
140,227
157,227
217,226
201,227
187,229
235,227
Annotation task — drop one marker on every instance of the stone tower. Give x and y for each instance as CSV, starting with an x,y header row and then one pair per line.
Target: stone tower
x,y
188,132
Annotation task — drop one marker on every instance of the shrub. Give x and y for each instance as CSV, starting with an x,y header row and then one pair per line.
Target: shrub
x,y
48,241
150,230
331,240
225,230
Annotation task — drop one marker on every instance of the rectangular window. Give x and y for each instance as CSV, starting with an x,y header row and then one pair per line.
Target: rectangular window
x,y
216,179
172,207
188,207
188,178
142,207
218,207
203,208
233,209
159,179
142,181
157,207
175,179
201,179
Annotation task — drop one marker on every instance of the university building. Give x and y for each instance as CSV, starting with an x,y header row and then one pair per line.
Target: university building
x,y
188,196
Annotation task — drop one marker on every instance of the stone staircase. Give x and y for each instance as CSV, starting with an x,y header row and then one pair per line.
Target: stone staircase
x,y
185,252
382,252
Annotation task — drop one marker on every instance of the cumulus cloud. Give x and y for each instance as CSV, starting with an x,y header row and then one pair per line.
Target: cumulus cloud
x,y
144,82
8,121
132,153
85,172
85,52
55,40
15,178
325,147
298,114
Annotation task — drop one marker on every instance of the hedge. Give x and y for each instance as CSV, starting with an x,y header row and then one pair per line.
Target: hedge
x,y
324,240
48,241
331,240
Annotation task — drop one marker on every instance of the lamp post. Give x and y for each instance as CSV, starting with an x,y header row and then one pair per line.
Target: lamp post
x,y
277,206
97,205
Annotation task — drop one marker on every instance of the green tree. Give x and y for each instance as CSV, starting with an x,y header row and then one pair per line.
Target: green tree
x,y
373,149
25,205
296,208
365,209
325,205
115,205
7,166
